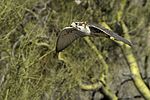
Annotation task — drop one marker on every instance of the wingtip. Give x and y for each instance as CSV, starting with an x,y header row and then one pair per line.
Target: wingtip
x,y
131,44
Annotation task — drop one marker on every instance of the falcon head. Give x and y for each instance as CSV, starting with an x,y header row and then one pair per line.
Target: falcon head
x,y
81,26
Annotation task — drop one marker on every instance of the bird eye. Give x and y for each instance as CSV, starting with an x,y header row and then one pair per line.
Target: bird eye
x,y
76,23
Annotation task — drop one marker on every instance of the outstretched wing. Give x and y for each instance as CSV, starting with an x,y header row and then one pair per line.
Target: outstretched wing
x,y
101,31
66,37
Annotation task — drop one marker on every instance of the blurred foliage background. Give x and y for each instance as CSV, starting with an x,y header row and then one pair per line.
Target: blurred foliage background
x,y
28,34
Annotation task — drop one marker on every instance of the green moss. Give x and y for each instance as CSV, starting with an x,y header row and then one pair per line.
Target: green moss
x,y
28,68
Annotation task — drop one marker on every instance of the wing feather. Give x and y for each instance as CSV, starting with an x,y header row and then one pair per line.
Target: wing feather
x,y
101,31
66,37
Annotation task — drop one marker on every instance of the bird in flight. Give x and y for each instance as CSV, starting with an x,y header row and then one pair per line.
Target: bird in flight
x,y
82,29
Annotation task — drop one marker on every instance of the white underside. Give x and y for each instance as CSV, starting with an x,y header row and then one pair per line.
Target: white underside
x,y
86,29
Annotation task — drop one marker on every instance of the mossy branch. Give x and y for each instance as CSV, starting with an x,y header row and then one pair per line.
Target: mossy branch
x,y
103,88
121,10
100,57
139,83
88,87
102,83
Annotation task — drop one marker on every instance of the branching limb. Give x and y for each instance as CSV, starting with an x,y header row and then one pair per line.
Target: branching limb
x,y
101,59
139,83
103,88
